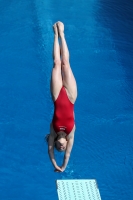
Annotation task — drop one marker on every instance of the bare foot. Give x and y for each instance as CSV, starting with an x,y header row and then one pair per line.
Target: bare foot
x,y
55,29
60,27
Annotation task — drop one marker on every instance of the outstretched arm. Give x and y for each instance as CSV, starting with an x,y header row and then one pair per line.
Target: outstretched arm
x,y
51,149
67,153
68,149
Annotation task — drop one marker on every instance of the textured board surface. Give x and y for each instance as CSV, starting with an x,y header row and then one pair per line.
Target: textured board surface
x,y
77,189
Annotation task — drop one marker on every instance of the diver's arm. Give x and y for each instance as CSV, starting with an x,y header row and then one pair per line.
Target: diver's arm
x,y
51,149
67,153
68,149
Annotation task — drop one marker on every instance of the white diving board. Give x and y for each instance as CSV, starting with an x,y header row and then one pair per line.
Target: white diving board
x,y
78,189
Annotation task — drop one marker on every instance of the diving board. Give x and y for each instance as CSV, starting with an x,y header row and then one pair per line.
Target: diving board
x,y
78,189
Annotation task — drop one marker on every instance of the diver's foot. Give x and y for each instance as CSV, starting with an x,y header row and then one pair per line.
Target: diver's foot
x,y
60,27
55,29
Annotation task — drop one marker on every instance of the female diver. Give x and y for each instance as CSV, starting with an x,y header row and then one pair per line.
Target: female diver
x,y
64,94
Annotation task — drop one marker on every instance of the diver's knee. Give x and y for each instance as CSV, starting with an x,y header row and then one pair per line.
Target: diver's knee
x,y
57,63
65,62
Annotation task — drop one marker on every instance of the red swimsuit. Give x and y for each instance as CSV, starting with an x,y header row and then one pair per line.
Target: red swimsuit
x,y
63,119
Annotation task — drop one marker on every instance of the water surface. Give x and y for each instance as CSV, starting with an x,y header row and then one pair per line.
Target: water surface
x,y
99,35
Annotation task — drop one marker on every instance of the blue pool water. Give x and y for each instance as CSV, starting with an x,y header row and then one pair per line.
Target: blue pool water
x,y
100,39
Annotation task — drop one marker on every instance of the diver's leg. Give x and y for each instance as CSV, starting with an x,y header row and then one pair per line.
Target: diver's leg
x,y
68,78
56,77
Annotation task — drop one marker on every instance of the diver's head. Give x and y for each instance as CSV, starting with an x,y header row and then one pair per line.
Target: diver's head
x,y
61,143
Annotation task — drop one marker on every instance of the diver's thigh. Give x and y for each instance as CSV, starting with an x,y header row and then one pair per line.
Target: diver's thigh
x,y
70,83
56,82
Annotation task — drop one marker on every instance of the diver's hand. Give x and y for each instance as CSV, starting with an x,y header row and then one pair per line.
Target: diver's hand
x,y
62,168
58,169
